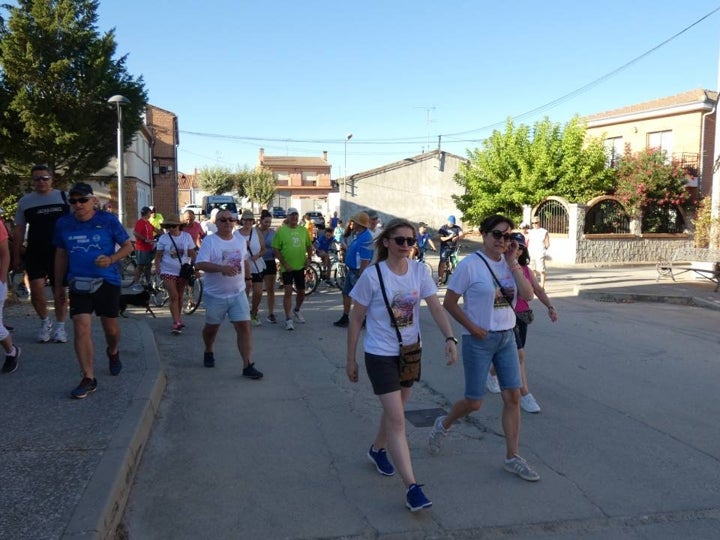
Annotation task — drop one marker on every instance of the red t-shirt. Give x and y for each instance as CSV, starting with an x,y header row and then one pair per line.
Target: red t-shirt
x,y
145,229
194,230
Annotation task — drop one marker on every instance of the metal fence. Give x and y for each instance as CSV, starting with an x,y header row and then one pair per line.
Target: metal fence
x,y
553,216
607,217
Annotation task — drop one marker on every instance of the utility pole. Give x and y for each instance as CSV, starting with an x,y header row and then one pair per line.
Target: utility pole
x,y
715,191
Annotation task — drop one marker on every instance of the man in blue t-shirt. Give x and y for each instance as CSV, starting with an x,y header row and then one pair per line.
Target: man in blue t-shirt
x,y
85,255
358,256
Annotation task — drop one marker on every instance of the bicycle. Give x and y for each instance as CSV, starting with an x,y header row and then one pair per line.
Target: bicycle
x,y
192,294
420,257
452,261
312,279
335,273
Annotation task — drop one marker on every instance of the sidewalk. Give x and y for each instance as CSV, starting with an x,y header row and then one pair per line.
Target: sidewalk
x,y
69,464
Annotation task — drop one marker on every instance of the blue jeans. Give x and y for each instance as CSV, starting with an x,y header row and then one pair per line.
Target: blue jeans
x,y
498,348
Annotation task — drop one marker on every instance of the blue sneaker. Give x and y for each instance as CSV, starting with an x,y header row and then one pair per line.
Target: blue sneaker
x,y
381,462
208,359
416,499
86,386
114,362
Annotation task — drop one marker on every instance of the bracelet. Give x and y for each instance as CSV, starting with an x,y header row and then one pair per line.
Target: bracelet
x,y
451,338
515,268
551,307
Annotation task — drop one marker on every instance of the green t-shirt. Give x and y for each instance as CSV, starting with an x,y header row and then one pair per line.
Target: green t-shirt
x,y
293,243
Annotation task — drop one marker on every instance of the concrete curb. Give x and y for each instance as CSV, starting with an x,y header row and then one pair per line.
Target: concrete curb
x,y
102,505
628,298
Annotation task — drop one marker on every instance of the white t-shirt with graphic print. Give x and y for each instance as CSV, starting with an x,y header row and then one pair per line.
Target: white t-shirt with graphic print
x,y
404,294
483,302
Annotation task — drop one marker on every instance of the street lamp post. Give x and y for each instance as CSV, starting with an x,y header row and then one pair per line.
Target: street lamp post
x,y
119,101
347,138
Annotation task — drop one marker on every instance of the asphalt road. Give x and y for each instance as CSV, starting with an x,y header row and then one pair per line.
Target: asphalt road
x,y
627,442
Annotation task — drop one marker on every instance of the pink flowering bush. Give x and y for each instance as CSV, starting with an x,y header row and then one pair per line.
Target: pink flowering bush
x,y
646,179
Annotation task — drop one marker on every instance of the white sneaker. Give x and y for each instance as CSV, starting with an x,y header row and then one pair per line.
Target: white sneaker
x,y
492,384
289,325
255,320
60,335
44,332
528,404
437,434
298,316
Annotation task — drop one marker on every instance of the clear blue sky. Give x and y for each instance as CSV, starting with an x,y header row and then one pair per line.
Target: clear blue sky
x,y
296,77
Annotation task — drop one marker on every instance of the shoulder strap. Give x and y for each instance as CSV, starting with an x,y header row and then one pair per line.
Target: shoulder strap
x,y
387,304
175,246
502,290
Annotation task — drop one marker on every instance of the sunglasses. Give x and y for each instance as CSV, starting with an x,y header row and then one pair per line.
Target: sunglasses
x,y
39,178
401,240
81,200
497,235
226,220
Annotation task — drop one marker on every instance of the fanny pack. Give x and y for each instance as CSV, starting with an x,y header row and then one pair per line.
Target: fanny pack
x,y
85,285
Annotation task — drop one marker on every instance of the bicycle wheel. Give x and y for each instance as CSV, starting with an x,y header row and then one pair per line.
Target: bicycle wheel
x,y
127,268
429,267
339,275
192,296
311,280
159,295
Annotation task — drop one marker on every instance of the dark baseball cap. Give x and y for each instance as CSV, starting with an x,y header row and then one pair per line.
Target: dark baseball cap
x,y
81,188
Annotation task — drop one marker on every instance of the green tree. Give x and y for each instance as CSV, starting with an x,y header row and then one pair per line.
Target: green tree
x,y
524,165
647,179
216,180
258,185
56,74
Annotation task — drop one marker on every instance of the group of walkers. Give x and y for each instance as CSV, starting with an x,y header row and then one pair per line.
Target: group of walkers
x,y
495,284
74,244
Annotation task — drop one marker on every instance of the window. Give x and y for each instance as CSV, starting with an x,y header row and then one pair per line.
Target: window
x,y
309,178
662,140
614,149
282,178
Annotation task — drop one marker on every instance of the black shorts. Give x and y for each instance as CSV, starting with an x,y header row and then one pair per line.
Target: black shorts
x,y
445,253
256,277
40,264
270,267
105,302
384,373
520,333
295,277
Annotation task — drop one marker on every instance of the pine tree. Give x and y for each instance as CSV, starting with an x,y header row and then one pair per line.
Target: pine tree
x,y
56,74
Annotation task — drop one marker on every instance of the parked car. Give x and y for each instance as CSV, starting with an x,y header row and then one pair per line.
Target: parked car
x,y
278,212
196,208
318,219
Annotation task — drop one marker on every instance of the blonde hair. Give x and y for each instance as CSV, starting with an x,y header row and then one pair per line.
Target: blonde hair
x,y
381,251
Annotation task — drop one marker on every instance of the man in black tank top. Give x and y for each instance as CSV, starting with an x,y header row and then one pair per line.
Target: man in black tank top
x,y
37,213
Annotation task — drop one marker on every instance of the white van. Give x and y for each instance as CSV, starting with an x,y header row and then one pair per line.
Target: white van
x,y
224,202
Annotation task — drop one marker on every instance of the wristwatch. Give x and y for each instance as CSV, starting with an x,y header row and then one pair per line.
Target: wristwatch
x,y
451,338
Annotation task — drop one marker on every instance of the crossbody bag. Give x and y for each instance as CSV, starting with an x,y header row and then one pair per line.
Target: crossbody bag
x,y
187,270
409,365
525,316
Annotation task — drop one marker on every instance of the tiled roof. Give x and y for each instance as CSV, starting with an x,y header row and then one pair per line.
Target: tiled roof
x,y
187,181
698,96
294,161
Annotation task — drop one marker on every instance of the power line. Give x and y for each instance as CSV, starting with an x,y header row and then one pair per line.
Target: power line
x,y
414,140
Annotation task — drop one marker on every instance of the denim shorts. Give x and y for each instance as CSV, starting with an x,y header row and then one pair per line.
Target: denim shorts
x,y
498,348
236,308
351,278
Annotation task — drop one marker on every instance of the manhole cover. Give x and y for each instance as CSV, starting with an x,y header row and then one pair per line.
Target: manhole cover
x,y
424,417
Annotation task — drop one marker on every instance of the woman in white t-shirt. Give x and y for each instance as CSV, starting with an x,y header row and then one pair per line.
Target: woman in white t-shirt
x,y
256,250
174,248
490,282
406,282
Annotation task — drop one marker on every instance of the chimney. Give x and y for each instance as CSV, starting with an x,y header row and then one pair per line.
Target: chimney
x,y
324,155
261,157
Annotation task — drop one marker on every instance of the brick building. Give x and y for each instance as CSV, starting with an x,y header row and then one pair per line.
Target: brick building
x,y
163,126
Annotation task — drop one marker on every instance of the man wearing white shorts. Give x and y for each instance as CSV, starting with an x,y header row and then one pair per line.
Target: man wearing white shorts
x,y
224,259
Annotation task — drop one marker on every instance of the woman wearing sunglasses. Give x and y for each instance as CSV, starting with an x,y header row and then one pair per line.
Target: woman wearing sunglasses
x,y
527,401
490,281
174,248
406,282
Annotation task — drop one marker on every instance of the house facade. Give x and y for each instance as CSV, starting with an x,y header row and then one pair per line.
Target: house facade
x,y
682,125
418,188
301,182
150,165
